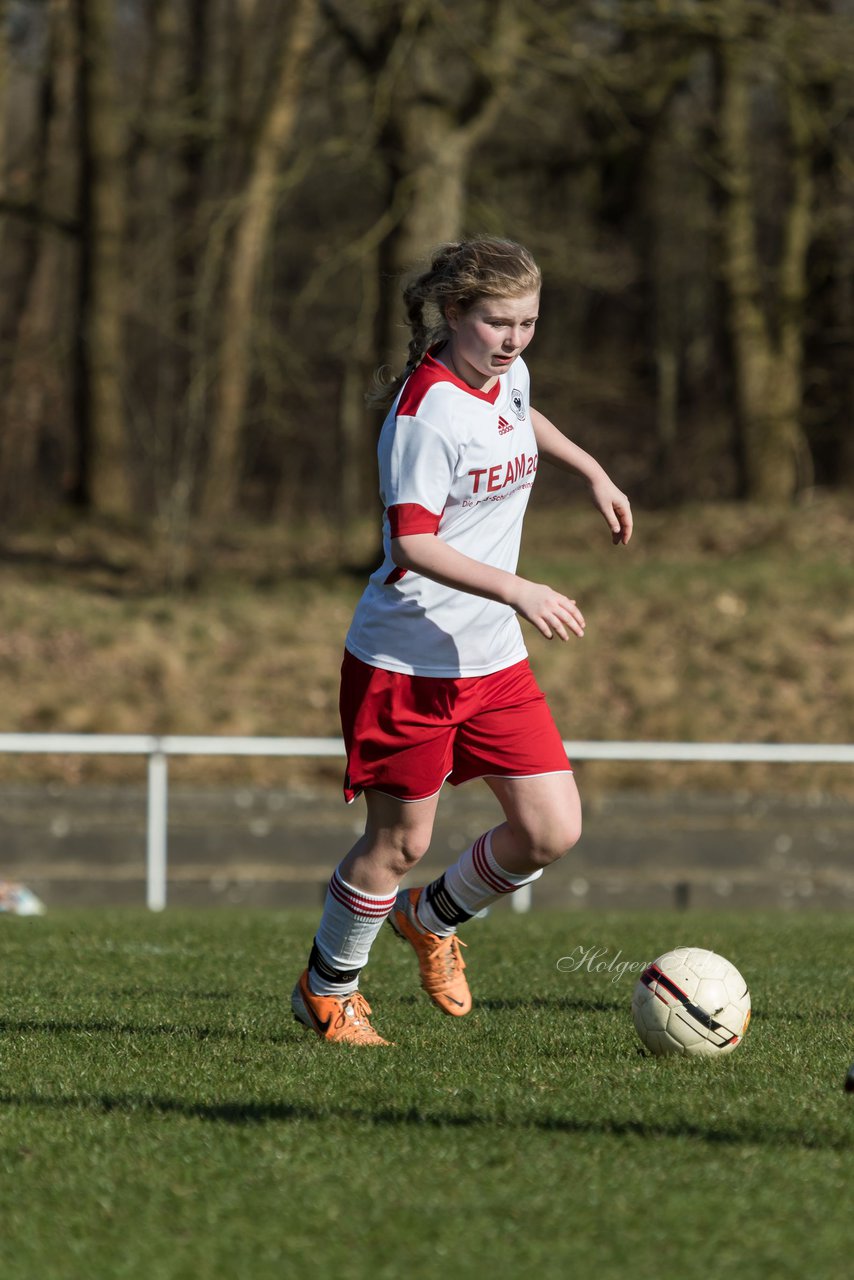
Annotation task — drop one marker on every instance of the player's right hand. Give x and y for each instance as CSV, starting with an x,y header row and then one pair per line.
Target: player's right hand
x,y
550,612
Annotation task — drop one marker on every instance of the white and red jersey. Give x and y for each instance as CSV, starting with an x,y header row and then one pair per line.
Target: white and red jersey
x,y
458,463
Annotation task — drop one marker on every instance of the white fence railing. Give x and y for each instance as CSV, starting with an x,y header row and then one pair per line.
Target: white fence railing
x,y
157,749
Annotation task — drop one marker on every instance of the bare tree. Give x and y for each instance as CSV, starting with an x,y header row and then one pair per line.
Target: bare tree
x,y
102,478
36,235
214,228
439,74
173,139
257,201
767,348
628,75
21,236
4,79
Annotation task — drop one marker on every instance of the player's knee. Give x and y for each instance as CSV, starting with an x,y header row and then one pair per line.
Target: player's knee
x,y
407,850
550,840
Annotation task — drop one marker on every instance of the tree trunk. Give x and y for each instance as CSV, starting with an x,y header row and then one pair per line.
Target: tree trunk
x,y
428,145
429,162
247,256
21,240
102,481
666,203
4,75
354,462
169,170
768,358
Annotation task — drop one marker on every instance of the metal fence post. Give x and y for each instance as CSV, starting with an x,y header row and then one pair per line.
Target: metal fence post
x,y
521,899
157,826
158,749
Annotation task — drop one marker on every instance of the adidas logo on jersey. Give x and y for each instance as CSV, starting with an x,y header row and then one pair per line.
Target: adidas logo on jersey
x,y
504,426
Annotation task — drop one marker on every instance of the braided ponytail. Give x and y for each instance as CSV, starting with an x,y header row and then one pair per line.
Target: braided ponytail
x,y
462,272
414,297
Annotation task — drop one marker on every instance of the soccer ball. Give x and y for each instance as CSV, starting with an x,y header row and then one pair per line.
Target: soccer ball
x,y
691,1001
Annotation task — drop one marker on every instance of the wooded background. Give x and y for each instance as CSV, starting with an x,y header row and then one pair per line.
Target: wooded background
x,y
206,208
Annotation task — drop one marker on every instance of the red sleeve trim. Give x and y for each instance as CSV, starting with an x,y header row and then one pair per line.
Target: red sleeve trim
x,y
409,517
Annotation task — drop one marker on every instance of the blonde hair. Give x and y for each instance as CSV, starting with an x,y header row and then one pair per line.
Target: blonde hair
x,y
461,274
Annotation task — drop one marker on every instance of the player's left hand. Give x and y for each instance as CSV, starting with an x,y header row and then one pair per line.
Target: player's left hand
x,y
615,507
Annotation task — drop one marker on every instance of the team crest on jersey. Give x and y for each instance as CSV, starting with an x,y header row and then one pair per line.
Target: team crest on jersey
x,y
518,403
504,426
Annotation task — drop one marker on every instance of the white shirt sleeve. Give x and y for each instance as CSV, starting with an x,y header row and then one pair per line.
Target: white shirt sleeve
x,y
418,461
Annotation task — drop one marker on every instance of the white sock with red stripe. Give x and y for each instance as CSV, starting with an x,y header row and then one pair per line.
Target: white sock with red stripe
x,y
351,920
472,883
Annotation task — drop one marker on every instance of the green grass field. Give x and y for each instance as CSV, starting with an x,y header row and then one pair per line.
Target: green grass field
x,y
163,1117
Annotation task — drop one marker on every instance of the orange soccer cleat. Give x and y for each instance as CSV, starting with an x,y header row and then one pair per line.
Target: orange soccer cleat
x,y
342,1019
439,959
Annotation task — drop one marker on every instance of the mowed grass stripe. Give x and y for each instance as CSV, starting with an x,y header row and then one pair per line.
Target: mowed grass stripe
x,y
162,1116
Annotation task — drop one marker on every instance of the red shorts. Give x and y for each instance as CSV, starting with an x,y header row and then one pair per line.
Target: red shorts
x,y
406,734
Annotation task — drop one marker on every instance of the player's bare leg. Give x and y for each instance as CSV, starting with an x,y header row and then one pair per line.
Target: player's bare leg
x,y
360,896
543,821
397,835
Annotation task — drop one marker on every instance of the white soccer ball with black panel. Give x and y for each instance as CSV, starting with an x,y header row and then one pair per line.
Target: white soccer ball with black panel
x,y
691,1001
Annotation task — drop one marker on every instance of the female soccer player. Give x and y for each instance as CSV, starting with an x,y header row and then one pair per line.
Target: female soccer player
x,y
435,681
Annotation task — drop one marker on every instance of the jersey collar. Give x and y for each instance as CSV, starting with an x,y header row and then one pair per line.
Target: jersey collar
x,y
441,371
